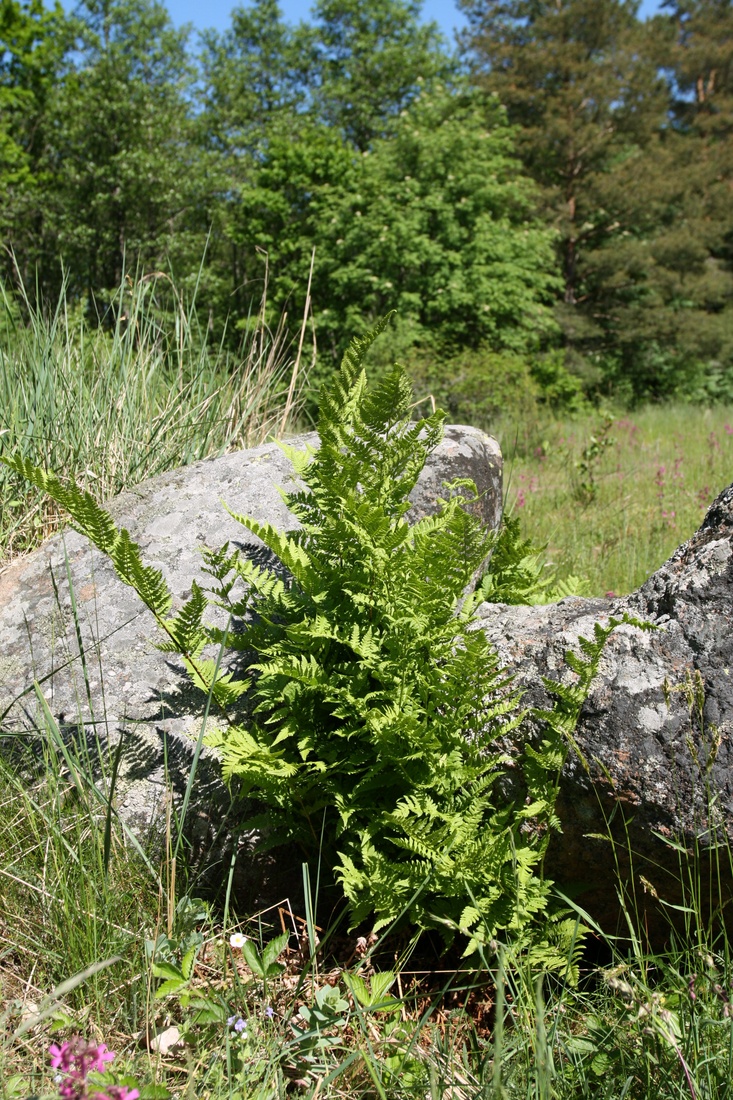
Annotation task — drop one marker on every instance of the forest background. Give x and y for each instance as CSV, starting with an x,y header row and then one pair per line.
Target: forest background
x,y
548,207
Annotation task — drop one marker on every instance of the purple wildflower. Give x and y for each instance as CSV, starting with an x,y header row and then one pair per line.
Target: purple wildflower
x,y
78,1057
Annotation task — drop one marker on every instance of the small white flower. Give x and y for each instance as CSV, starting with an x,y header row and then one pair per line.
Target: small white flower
x,y
237,940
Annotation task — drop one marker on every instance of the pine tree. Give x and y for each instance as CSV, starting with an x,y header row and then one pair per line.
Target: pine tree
x,y
702,65
578,79
662,283
636,172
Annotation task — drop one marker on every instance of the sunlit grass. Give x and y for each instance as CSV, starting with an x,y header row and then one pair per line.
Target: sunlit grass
x,y
113,405
615,513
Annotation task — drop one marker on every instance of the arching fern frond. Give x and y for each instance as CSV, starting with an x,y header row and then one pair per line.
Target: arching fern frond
x,y
93,521
379,718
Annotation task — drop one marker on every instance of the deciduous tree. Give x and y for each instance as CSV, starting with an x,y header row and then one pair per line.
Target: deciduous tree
x,y
34,41
436,221
128,175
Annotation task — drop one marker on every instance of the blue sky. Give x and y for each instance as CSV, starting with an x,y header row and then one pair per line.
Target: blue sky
x,y
215,13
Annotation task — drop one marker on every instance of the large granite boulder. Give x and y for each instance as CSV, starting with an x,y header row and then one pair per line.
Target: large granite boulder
x,y
125,683
654,769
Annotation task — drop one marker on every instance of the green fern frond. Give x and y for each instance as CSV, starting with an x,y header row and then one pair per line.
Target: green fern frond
x,y
185,630
99,527
288,550
86,514
379,718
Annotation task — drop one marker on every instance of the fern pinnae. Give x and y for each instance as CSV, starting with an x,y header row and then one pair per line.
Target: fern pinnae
x,y
372,699
288,550
185,629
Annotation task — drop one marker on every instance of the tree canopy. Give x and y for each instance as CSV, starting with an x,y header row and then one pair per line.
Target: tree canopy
x,y
560,186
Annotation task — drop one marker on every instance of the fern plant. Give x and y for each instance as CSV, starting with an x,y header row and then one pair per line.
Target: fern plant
x,y
516,573
379,731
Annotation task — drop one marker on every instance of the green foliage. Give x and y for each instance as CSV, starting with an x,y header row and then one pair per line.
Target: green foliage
x,y
184,935
352,69
659,1024
383,713
111,168
264,964
381,720
460,255
590,460
85,932
121,144
319,1024
33,40
284,206
123,148
626,126
253,76
652,490
490,389
369,62
516,573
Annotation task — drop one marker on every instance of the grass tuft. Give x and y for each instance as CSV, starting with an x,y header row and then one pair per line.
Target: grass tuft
x,y
113,404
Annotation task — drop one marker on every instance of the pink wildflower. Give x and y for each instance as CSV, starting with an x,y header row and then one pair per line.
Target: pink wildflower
x,y
70,1088
78,1057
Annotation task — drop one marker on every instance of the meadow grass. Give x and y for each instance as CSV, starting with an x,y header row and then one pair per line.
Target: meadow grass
x,y
116,403
350,1018
91,942
612,498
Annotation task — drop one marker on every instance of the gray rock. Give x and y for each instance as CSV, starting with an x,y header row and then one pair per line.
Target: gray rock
x,y
658,769
655,771
126,684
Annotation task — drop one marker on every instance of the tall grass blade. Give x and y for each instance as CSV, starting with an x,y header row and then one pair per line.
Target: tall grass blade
x,y
498,1091
199,746
50,1003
